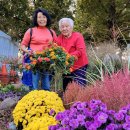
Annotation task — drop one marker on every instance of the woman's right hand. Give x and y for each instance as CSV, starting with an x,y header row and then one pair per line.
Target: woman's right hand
x,y
29,52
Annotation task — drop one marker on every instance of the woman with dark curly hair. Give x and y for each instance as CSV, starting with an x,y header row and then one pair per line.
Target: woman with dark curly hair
x,y
38,40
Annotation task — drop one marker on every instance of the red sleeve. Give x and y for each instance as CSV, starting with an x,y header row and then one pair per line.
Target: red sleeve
x,y
80,46
26,38
58,40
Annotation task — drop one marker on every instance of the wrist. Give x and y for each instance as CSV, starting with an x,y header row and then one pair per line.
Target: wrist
x,y
75,57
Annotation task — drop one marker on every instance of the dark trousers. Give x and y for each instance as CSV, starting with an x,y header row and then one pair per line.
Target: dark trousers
x,y
78,76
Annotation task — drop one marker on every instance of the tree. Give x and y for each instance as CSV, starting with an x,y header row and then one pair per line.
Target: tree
x,y
103,19
15,15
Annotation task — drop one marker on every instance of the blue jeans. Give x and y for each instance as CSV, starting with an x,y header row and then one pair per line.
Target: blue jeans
x,y
45,80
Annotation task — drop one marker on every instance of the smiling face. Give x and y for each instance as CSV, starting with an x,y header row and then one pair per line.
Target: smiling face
x,y
41,19
66,28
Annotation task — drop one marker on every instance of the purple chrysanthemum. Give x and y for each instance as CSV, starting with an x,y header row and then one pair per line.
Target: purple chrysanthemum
x,y
119,116
127,119
81,119
59,116
65,121
126,126
111,127
74,123
101,117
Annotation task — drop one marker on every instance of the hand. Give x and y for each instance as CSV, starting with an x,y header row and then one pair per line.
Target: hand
x,y
75,58
30,52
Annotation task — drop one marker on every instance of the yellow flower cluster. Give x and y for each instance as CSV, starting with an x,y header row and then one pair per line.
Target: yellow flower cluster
x,y
36,104
41,123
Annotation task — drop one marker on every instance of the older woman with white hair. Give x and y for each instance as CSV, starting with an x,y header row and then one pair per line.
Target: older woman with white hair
x,y
74,44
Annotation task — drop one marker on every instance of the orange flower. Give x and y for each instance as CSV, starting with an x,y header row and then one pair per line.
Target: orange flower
x,y
31,58
71,70
67,63
34,62
68,56
28,67
39,52
64,49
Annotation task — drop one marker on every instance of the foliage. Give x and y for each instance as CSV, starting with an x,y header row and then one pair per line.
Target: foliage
x,y
37,104
92,115
113,90
11,87
104,59
16,16
54,59
10,91
103,20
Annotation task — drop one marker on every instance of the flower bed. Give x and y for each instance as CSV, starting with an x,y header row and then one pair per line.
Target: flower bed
x,y
92,116
35,107
40,110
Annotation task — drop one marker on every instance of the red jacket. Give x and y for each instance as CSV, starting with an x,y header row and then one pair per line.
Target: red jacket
x,y
75,46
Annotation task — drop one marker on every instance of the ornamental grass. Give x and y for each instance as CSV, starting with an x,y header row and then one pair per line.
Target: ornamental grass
x,y
114,90
41,105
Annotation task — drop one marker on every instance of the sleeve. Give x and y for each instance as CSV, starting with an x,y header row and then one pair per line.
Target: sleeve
x,y
58,40
80,46
26,38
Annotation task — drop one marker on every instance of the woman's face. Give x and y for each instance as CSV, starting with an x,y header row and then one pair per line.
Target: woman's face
x,y
66,29
41,19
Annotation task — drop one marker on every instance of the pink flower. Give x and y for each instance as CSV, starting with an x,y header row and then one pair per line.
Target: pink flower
x,y
46,59
40,59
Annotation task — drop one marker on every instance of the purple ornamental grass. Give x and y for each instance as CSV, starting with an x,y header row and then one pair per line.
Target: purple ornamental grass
x,y
92,116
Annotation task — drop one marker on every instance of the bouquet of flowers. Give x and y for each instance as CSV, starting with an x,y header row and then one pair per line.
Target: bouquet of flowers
x,y
54,58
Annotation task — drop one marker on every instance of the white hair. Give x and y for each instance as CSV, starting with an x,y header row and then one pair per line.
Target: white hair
x,y
68,20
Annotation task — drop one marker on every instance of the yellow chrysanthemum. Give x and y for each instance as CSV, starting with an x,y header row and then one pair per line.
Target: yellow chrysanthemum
x,y
41,123
36,104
